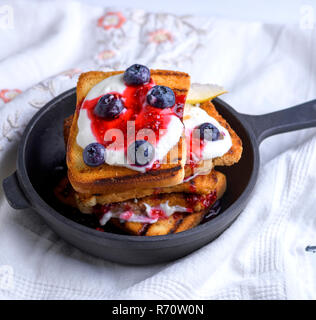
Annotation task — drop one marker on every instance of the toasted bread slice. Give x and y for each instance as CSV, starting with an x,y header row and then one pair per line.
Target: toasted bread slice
x,y
177,222
202,184
106,178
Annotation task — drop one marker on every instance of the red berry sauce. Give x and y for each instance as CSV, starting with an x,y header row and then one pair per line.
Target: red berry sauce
x,y
126,215
206,200
157,213
100,210
195,147
136,109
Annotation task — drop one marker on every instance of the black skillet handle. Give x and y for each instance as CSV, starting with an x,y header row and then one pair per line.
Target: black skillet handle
x,y
295,118
14,193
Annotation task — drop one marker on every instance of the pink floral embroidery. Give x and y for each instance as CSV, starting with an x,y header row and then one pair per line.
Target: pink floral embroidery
x,y
71,72
106,54
111,20
160,36
8,94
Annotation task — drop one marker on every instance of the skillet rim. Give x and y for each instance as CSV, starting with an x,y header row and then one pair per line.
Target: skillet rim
x,y
225,218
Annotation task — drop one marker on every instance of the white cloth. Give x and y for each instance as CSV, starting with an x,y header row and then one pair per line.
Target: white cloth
x,y
264,67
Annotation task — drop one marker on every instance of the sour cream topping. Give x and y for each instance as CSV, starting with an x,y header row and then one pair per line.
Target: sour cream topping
x,y
116,156
193,117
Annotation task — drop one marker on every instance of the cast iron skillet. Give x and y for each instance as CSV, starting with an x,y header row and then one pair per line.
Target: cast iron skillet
x,y
41,150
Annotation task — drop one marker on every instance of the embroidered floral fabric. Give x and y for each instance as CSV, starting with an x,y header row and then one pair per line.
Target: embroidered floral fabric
x,y
118,39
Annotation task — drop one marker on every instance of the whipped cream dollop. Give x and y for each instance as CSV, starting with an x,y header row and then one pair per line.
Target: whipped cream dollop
x,y
111,84
116,156
193,117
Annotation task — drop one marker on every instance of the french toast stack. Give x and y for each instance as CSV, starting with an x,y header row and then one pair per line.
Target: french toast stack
x,y
169,196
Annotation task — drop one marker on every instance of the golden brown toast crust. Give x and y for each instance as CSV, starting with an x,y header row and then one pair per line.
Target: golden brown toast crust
x,y
216,182
202,184
106,178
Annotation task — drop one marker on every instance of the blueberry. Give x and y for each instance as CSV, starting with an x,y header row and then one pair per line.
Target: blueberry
x,y
94,154
136,75
109,107
141,152
161,97
209,132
